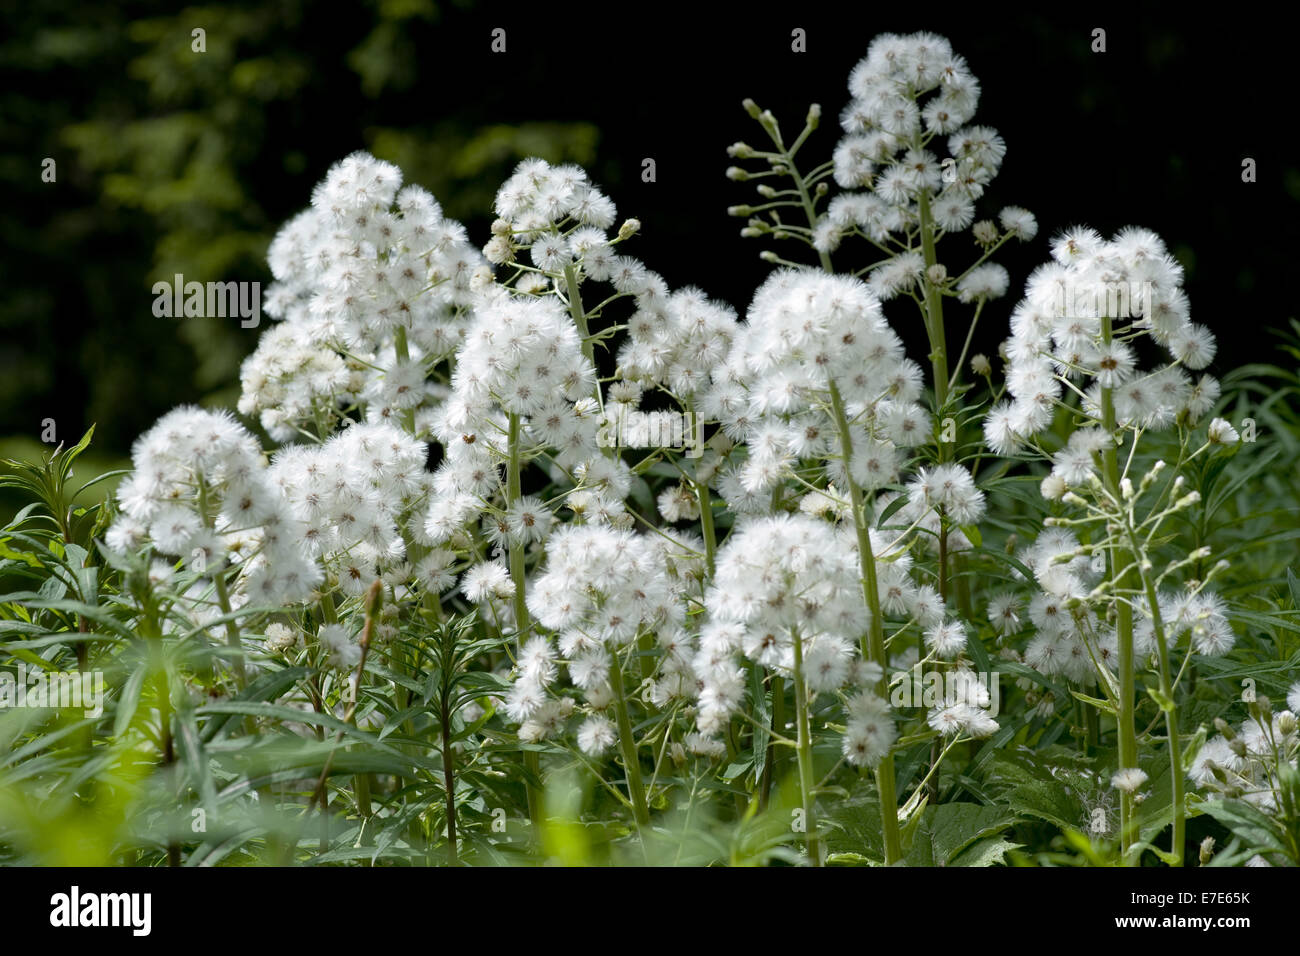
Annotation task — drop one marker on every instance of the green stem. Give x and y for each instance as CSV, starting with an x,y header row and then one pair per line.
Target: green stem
x,y
933,310
1171,714
804,751
873,643
522,622
1123,623
404,355
627,742
579,315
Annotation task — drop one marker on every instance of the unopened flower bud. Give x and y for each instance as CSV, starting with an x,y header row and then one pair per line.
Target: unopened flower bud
x,y
740,150
814,116
629,229
751,108
736,174
1207,850
937,273
979,364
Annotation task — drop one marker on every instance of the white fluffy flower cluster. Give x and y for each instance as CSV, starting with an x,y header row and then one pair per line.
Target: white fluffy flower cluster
x,y
936,492
352,496
536,201
1062,627
907,92
1068,636
371,284
601,589
674,339
1245,763
1058,335
522,356
781,579
805,331
200,490
678,343
964,708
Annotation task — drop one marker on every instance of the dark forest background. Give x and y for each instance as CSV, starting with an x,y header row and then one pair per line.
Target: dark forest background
x,y
170,161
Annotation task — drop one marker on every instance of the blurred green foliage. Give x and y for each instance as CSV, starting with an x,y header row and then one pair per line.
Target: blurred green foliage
x,y
176,161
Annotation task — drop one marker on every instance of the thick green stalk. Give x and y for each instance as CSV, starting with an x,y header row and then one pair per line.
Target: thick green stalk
x,y
1125,727
873,643
1171,714
933,312
627,742
522,622
804,750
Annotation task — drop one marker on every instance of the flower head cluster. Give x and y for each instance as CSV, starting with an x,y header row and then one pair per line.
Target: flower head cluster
x,y
1069,639
522,358
1245,763
371,284
351,497
779,580
602,588
1081,318
808,331
910,92
200,490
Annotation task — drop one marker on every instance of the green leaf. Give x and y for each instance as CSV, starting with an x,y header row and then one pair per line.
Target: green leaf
x,y
987,851
1255,828
950,828
1046,801
1105,706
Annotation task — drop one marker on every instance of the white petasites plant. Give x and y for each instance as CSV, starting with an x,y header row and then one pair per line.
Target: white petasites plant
x,y
605,593
819,392
913,99
199,490
1105,607
787,595
372,287
531,513
359,501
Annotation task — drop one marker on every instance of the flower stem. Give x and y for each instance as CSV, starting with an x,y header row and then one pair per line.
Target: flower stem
x,y
873,642
627,742
1123,622
933,311
804,751
522,622
1170,709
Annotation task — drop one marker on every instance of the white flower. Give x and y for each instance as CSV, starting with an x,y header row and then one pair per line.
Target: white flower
x,y
341,646
487,580
596,735
1221,432
1128,779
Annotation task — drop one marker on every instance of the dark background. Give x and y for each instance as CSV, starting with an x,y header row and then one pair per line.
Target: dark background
x,y
171,161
